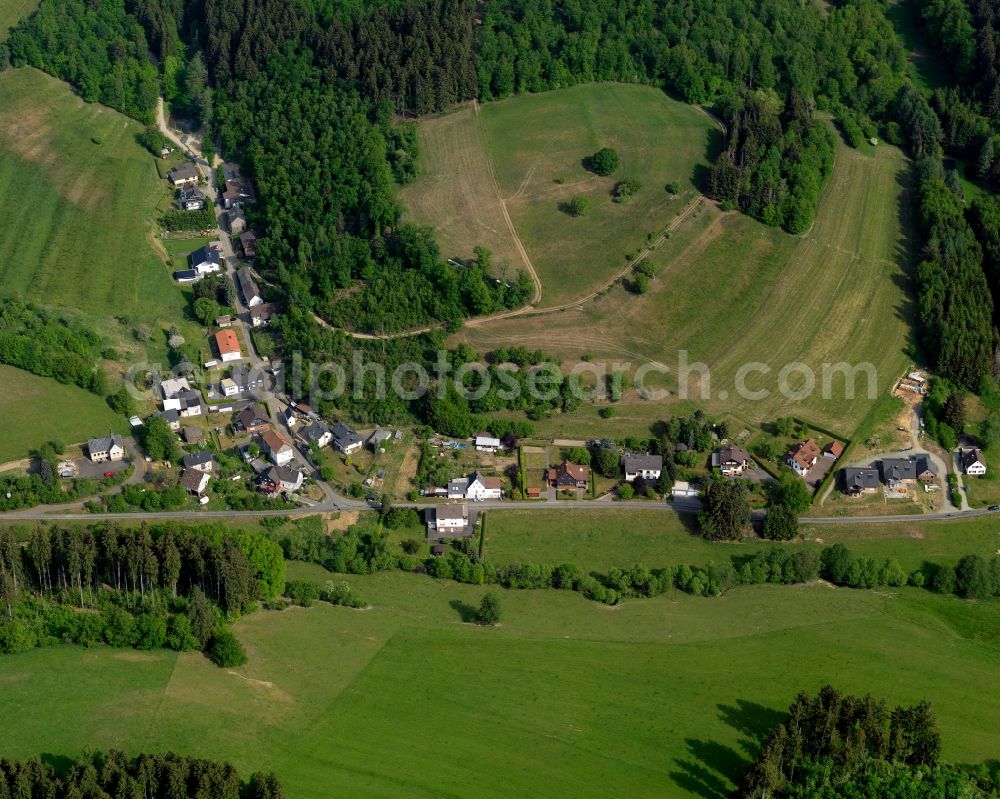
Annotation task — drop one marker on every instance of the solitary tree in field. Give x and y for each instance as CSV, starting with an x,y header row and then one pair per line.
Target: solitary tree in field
x,y
605,161
489,610
578,205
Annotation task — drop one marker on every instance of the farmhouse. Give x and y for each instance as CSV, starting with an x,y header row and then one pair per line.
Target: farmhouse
x,y
279,478
190,199
648,467
317,433
345,439
194,481
803,456
110,448
447,521
973,462
260,315
569,475
201,460
249,290
278,447
205,260
731,461
486,443
251,420
228,345
860,481
248,240
183,175
476,488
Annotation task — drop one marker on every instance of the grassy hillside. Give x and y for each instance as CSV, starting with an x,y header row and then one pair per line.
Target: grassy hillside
x,y
11,12
731,292
660,698
78,193
38,409
536,145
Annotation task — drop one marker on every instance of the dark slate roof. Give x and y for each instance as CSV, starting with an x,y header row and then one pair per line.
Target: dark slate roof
x,y
925,464
197,458
185,274
247,286
860,478
343,435
170,416
899,469
104,444
638,463
206,253
315,431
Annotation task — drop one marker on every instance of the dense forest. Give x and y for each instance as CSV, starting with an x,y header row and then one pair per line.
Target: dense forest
x,y
835,744
115,774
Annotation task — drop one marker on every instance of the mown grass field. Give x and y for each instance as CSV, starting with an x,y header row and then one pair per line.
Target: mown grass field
x,y
731,292
38,409
79,193
601,539
12,12
537,144
659,698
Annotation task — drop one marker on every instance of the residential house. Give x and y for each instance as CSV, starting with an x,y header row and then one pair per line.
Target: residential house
x,y
205,260
187,276
833,450
447,521
247,378
238,192
477,488
486,443
194,481
190,199
279,478
345,439
289,417
317,433
973,462
228,387
183,175
648,467
569,475
248,240
860,481
731,461
899,473
260,315
278,447
803,456
188,403
172,416
202,460
110,448
237,221
224,321
251,420
378,437
248,288
228,346
192,435
173,386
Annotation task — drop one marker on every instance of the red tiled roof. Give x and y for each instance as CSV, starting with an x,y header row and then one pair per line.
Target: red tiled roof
x,y
227,342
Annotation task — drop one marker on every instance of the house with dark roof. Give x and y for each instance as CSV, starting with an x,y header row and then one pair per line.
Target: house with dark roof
x,y
190,403
248,288
860,481
648,467
202,460
926,470
448,521
569,476
261,315
172,416
316,433
477,488
190,199
110,448
973,462
183,175
239,191
187,276
205,259
276,479
731,461
192,435
899,472
345,439
803,456
251,420
248,240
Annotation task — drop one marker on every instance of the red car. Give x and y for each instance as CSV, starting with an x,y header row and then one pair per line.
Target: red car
x,y
109,474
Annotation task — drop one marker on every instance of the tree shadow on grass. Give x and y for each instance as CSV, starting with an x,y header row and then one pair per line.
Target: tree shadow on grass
x,y
60,763
465,611
752,721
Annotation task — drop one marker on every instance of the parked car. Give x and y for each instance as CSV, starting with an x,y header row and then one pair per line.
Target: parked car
x,y
109,474
993,507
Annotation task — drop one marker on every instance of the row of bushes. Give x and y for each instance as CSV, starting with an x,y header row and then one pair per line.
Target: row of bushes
x,y
305,592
